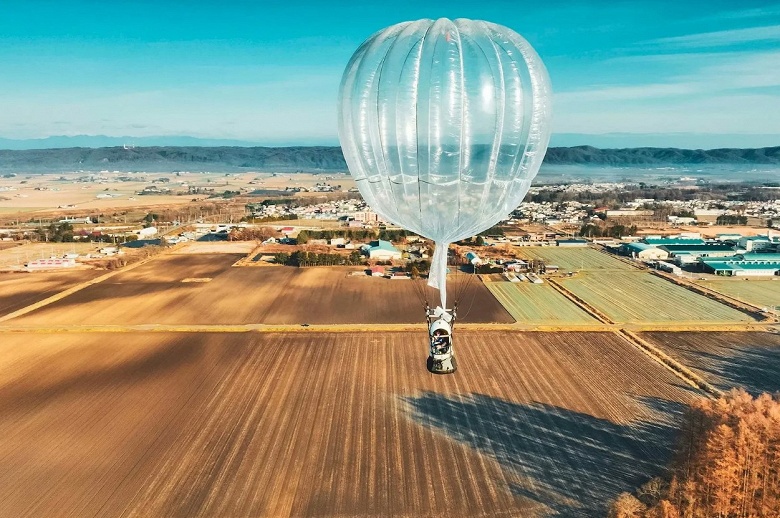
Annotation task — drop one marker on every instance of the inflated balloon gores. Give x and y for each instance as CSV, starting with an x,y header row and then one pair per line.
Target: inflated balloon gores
x,y
444,125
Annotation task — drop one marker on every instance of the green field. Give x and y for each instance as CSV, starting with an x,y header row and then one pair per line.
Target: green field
x,y
574,259
641,297
537,304
762,292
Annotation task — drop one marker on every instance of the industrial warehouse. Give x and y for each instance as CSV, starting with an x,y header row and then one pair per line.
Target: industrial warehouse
x,y
754,264
728,256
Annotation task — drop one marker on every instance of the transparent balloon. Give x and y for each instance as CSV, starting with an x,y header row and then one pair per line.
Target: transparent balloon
x,y
444,125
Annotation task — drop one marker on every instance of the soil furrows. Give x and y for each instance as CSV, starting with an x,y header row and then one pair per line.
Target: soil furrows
x,y
318,424
551,466
270,460
325,476
750,360
501,380
180,484
299,419
324,403
109,403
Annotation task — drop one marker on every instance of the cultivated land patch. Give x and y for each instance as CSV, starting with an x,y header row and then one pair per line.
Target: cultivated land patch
x,y
759,292
327,424
639,297
155,293
19,290
217,247
750,360
18,255
574,259
537,304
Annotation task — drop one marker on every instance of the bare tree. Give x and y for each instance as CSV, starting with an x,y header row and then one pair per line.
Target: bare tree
x,y
626,505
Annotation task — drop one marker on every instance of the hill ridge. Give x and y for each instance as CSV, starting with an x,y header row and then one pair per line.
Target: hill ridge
x,y
330,158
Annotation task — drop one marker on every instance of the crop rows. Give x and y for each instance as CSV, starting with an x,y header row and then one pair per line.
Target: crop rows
x,y
574,259
641,297
155,293
327,424
750,360
537,304
762,293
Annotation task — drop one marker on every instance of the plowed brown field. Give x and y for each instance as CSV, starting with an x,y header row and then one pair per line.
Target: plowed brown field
x,y
326,424
750,360
155,293
18,290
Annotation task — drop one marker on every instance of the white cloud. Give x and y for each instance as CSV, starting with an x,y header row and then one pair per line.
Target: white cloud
x,y
284,107
739,70
617,93
706,76
748,113
769,33
757,12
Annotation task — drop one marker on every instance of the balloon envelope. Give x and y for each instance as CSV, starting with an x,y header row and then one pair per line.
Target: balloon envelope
x,y
444,125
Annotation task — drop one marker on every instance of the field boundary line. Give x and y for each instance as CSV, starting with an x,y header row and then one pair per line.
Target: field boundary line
x,y
670,363
595,327
595,313
247,259
76,288
734,303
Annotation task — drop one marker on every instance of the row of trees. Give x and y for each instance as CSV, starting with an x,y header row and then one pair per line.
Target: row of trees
x,y
728,219
616,231
64,233
418,268
268,219
251,233
616,198
300,258
727,464
57,233
360,234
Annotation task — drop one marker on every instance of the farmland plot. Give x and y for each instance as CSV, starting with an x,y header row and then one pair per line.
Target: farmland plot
x,y
641,297
327,424
537,304
750,360
158,293
761,293
18,255
18,290
574,259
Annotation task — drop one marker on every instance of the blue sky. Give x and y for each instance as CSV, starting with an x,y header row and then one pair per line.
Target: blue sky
x,y
269,72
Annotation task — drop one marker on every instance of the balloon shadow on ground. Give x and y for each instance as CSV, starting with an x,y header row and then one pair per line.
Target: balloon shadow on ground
x,y
571,462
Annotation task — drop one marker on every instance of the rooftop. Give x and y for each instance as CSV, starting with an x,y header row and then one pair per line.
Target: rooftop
x,y
673,241
741,265
638,246
382,245
757,256
692,248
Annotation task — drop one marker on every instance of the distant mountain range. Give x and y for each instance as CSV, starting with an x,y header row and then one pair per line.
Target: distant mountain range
x,y
602,141
235,158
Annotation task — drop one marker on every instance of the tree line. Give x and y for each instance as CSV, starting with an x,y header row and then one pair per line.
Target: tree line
x,y
616,231
303,259
64,233
359,234
617,197
727,464
730,219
